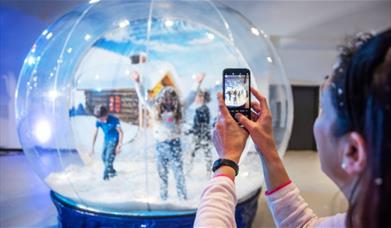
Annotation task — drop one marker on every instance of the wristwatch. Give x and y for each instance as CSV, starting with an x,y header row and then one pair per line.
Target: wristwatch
x,y
225,162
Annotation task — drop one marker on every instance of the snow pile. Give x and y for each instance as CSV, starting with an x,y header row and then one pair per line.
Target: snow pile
x,y
136,187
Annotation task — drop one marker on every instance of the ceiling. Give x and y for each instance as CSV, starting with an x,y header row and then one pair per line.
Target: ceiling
x,y
282,18
309,29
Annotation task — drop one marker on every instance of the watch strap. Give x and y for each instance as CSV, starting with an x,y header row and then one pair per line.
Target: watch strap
x,y
225,162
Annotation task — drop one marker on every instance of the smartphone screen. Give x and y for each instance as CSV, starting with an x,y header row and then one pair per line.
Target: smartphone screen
x,y
236,91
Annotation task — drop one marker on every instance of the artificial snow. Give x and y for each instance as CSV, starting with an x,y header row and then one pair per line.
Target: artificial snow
x,y
136,187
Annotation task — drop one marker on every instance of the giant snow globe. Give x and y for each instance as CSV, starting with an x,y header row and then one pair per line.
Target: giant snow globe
x,y
109,102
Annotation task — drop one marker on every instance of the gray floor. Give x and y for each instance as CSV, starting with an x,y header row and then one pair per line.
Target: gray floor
x,y
24,198
25,202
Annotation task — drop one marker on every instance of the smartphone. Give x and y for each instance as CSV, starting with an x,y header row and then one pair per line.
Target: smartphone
x,y
236,91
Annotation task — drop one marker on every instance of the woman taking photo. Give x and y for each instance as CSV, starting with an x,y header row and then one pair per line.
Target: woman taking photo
x,y
353,138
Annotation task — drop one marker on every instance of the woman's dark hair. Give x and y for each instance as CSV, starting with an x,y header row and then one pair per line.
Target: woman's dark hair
x,y
168,92
361,95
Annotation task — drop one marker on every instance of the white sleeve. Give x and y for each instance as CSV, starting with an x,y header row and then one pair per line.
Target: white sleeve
x,y
290,210
218,203
192,95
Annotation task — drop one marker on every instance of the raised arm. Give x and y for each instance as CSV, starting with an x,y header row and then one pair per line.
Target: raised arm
x,y
193,92
261,132
218,199
288,207
140,90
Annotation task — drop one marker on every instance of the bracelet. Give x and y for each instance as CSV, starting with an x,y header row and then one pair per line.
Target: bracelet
x,y
268,193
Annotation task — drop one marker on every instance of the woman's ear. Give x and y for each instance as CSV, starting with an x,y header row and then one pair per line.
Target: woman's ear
x,y
354,157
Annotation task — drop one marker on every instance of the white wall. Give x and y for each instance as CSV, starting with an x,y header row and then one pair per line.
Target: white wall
x,y
7,117
307,66
17,34
305,34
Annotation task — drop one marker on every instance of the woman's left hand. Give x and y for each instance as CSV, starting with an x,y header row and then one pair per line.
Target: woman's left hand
x,y
229,138
199,77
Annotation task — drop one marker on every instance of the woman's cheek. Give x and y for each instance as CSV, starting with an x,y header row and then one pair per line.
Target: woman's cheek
x,y
320,137
316,129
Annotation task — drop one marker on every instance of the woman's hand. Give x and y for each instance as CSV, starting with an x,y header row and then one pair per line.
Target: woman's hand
x,y
260,127
229,138
135,76
261,132
199,77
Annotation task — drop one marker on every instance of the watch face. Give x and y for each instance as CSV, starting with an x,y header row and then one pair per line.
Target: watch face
x,y
216,165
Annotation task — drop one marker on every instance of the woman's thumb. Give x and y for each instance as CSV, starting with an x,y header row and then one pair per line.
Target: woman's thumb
x,y
247,123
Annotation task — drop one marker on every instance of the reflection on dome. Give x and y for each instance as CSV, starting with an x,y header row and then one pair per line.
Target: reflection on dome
x,y
89,57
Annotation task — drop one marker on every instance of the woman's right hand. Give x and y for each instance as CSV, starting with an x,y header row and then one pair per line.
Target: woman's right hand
x,y
135,76
260,125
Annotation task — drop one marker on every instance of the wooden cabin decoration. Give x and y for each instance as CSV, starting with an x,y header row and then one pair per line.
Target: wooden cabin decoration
x,y
120,97
166,80
123,103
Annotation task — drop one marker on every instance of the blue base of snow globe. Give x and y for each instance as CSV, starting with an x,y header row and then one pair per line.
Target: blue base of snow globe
x,y
71,214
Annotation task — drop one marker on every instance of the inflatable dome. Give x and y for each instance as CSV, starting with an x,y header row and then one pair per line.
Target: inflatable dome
x,y
103,67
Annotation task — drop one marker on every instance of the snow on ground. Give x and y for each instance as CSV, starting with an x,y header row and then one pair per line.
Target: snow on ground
x,y
136,187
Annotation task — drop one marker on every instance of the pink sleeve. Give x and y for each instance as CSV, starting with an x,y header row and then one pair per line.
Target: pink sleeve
x,y
290,210
218,202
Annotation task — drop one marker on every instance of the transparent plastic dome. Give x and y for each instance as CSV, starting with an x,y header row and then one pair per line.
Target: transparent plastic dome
x,y
86,59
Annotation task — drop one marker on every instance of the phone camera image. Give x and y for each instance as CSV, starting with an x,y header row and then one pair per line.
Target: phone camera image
x,y
236,91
